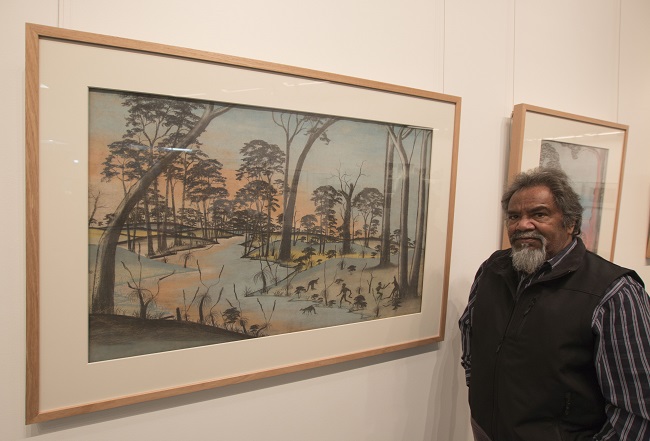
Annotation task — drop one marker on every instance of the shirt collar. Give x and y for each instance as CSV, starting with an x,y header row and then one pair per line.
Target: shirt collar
x,y
548,265
555,260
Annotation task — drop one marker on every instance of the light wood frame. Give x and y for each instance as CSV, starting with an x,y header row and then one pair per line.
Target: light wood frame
x,y
531,125
647,249
51,392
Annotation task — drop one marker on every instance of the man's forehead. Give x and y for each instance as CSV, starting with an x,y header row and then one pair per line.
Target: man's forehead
x,y
530,207
536,197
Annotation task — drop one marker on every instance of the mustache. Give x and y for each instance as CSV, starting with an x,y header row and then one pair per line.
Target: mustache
x,y
527,235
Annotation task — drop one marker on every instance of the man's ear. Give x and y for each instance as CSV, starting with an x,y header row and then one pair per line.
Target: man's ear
x,y
570,229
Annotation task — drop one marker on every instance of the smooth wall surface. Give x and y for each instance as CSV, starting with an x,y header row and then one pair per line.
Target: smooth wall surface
x,y
587,57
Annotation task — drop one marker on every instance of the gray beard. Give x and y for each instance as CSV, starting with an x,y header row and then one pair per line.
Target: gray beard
x,y
528,259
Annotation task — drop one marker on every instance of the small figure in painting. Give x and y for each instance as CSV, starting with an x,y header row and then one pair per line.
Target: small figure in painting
x,y
308,310
311,285
344,295
395,292
378,290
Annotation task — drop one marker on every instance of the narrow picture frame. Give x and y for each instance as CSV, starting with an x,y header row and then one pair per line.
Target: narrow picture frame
x,y
74,80
647,249
592,153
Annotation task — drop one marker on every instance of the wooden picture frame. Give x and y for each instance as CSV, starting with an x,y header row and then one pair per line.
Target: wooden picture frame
x,y
647,249
67,72
592,153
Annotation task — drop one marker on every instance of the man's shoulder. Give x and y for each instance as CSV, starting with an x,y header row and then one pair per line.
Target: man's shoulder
x,y
587,271
498,256
600,264
499,260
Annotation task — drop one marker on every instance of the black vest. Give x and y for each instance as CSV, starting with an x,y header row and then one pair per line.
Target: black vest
x,y
533,375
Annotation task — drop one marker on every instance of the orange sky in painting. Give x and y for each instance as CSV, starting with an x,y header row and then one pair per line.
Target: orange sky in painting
x,y
353,145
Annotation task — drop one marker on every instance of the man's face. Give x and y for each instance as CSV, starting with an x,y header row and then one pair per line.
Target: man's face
x,y
532,215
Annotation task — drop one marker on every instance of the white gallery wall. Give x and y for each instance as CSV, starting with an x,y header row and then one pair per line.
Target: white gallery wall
x,y
590,57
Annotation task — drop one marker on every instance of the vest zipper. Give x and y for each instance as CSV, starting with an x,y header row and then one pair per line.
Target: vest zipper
x,y
495,401
498,349
567,404
523,317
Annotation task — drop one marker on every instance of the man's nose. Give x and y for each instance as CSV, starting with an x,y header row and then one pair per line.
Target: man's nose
x,y
525,224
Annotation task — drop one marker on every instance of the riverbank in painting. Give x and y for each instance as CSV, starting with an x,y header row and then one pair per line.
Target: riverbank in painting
x,y
216,295
119,336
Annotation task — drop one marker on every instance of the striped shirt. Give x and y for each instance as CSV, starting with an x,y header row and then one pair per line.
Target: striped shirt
x,y
621,324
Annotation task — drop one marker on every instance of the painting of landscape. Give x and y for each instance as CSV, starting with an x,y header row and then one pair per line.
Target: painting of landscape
x,y
213,222
586,166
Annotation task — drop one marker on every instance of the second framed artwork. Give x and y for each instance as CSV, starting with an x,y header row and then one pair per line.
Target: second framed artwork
x,y
197,220
590,151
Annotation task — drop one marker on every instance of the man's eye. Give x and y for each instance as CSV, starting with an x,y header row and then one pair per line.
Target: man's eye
x,y
513,217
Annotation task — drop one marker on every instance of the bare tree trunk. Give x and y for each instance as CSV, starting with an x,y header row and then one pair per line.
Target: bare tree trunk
x,y
347,191
347,215
147,222
398,139
173,209
597,202
404,231
384,256
201,316
287,217
421,219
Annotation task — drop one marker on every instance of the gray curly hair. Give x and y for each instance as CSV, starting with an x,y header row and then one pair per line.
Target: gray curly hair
x,y
566,199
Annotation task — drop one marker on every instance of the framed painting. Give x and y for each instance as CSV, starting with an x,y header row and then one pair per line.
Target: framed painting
x,y
590,151
196,220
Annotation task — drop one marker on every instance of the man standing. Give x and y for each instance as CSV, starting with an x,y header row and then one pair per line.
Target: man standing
x,y
556,340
